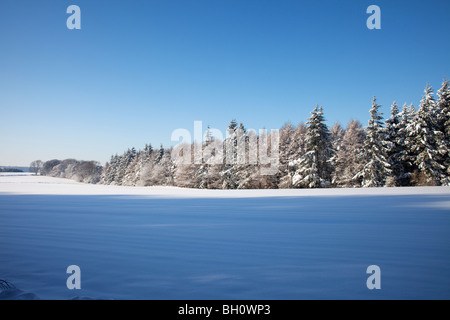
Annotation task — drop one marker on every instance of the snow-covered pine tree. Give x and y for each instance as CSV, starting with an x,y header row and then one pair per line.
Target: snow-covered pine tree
x,y
160,154
426,138
443,107
407,127
376,167
121,167
129,177
247,174
349,156
229,174
313,170
143,161
297,147
395,147
209,172
110,170
267,171
208,136
186,174
404,156
147,152
161,171
286,140
336,138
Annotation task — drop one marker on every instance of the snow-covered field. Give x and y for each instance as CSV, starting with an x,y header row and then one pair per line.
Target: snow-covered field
x,y
171,243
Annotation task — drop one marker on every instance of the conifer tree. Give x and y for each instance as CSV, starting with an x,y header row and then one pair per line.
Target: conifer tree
x,y
286,140
314,169
394,147
348,157
337,134
425,141
376,167
404,156
443,107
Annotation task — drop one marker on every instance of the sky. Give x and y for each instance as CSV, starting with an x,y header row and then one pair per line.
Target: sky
x,y
138,70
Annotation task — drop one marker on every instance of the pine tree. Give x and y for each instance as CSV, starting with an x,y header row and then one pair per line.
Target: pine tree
x,y
230,174
160,154
209,172
348,157
404,156
296,149
286,139
407,128
314,169
394,147
233,125
443,107
425,142
110,170
208,136
337,134
147,152
376,167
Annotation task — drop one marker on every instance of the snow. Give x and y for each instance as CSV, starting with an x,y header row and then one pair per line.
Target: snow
x,y
26,183
172,243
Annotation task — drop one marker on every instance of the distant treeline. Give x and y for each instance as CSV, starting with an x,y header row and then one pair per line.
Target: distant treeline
x,y
10,170
409,148
81,171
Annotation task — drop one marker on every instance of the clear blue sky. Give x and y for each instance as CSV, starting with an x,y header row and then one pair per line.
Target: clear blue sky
x,y
137,70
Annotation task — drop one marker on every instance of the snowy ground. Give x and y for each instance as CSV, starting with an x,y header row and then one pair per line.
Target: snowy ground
x,y
171,243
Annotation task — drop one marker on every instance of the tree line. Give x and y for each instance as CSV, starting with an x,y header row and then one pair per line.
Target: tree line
x,y
10,170
409,148
81,171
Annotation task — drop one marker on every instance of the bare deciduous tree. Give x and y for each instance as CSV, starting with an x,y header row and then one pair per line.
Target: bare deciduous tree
x,y
35,166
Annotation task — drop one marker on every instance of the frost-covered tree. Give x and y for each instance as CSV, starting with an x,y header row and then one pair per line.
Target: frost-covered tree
x,y
160,171
187,173
110,170
147,152
376,167
35,166
131,167
209,172
313,169
81,171
230,174
443,124
144,158
87,172
425,142
349,156
208,135
401,156
126,167
336,138
298,146
395,147
286,140
160,154
407,127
